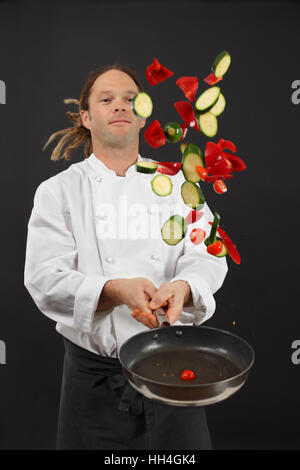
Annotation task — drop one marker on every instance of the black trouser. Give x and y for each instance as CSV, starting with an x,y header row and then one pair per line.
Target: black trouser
x,y
99,409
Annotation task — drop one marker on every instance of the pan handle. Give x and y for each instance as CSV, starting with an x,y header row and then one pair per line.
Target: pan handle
x,y
161,317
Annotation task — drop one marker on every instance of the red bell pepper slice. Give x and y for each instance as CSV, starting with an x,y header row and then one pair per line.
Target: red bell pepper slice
x,y
185,109
193,216
236,162
154,135
166,171
215,248
157,73
226,144
220,187
231,248
212,178
202,172
184,128
211,79
216,163
189,86
173,165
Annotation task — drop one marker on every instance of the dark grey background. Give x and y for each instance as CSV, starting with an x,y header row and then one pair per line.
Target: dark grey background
x,y
47,51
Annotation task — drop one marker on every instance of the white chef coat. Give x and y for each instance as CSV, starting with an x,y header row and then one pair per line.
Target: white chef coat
x,y
68,259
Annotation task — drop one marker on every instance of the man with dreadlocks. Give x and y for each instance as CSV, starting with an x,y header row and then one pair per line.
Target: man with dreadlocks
x,y
90,284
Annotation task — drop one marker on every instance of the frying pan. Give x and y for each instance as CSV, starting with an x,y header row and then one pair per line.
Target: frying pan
x,y
154,360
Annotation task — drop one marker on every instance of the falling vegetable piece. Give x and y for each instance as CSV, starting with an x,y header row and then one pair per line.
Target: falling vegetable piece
x,y
193,216
189,86
172,165
211,79
236,162
213,178
142,105
221,64
215,162
185,109
187,375
146,167
231,248
202,172
197,236
173,132
213,232
167,171
226,144
154,135
157,73
220,187
184,128
215,248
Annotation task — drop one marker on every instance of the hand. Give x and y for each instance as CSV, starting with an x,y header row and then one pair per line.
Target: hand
x,y
174,295
136,294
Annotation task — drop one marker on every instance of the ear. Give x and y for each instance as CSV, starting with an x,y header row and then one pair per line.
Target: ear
x,y
85,118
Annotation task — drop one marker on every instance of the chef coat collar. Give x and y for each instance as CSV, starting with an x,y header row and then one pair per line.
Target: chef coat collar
x,y
100,167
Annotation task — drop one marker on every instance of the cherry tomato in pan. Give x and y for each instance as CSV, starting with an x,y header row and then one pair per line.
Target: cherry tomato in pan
x,y
188,375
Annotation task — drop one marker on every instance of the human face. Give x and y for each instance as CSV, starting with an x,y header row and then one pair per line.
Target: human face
x,y
110,101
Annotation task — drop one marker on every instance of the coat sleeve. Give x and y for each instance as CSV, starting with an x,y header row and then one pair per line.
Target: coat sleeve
x,y
205,273
59,290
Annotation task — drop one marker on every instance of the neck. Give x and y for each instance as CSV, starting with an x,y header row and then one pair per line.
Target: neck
x,y
115,158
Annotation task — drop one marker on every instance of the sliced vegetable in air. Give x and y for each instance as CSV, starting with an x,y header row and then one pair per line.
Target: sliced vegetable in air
x,y
211,79
176,166
236,162
197,236
185,109
174,229
191,158
167,171
207,99
154,135
189,86
193,216
146,167
192,195
220,187
226,144
208,124
213,231
157,73
219,107
221,64
231,248
162,185
142,105
173,132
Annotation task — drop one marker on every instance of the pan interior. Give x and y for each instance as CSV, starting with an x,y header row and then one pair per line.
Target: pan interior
x,y
166,366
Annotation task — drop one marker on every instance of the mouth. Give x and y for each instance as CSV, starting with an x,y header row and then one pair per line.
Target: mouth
x,y
121,121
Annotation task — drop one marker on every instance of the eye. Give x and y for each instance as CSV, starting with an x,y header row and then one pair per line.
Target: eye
x,y
106,99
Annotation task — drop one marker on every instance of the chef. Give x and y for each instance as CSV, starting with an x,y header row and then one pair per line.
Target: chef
x,y
96,265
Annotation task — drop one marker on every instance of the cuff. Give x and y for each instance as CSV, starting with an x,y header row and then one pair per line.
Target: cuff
x,y
86,301
204,304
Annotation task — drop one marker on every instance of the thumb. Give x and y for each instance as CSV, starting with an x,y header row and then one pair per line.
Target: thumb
x,y
174,310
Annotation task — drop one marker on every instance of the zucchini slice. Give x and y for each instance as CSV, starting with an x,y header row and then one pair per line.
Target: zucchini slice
x,y
174,229
162,185
223,252
221,64
142,105
192,157
207,99
208,124
173,132
192,195
219,107
183,146
213,231
146,167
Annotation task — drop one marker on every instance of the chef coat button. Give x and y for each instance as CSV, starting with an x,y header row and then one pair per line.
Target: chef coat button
x,y
102,216
110,260
98,179
156,258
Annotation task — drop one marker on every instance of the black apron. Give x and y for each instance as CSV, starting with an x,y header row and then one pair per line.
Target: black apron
x,y
99,409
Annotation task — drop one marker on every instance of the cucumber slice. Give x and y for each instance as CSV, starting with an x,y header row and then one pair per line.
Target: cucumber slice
x,y
192,195
207,99
224,251
219,107
221,63
162,185
208,124
173,132
183,146
142,105
174,229
146,167
192,157
213,231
